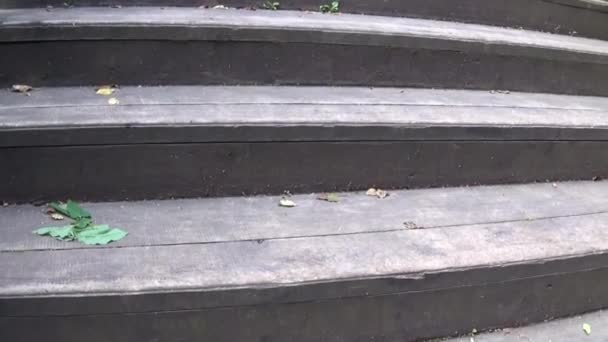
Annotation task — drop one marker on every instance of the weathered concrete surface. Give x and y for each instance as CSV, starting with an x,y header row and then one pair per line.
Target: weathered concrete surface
x,y
526,256
194,114
289,26
220,220
163,142
157,171
560,330
185,46
574,17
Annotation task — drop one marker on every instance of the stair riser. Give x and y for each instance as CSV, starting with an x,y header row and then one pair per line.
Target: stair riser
x,y
536,15
508,296
149,171
182,134
70,63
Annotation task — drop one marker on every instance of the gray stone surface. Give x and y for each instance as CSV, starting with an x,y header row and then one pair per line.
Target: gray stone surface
x,y
349,240
488,257
59,116
560,330
292,26
221,220
206,105
573,17
177,46
193,141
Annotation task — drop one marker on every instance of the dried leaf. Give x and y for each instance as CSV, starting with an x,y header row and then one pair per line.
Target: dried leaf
x,y
287,203
411,225
381,194
330,197
377,193
113,101
371,192
105,90
587,328
56,216
21,88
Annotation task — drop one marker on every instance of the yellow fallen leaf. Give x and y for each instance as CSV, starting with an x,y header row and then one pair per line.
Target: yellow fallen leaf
x,y
587,328
105,91
330,197
113,101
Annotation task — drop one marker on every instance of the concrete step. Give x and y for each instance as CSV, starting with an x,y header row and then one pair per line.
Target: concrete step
x,y
156,46
572,17
559,330
417,264
192,141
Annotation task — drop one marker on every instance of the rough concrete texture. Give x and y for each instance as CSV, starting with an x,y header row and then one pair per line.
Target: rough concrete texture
x,y
417,264
177,46
572,17
560,330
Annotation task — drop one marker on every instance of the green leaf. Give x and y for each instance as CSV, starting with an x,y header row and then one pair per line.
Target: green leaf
x,y
70,209
65,233
82,229
75,211
587,328
44,230
60,208
333,7
100,235
82,223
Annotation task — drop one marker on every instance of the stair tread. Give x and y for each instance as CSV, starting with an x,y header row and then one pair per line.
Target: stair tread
x,y
304,113
211,244
292,26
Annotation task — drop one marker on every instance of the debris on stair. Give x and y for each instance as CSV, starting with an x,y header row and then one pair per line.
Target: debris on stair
x,y
82,228
113,101
286,202
106,90
329,197
272,5
57,216
377,193
411,225
22,88
333,7
587,328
